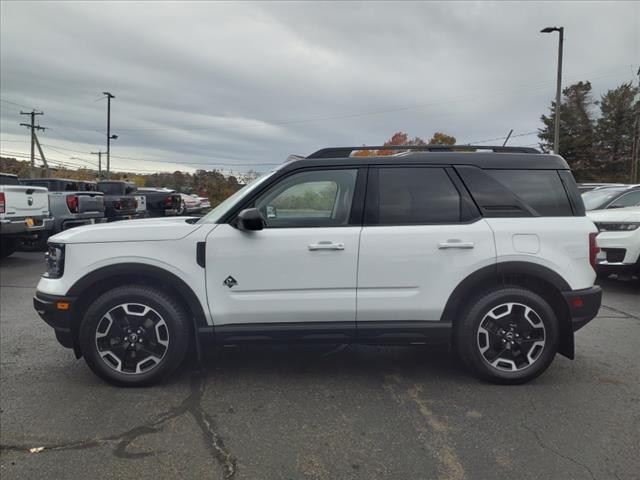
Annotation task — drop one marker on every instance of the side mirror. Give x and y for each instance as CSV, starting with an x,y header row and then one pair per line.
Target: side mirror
x,y
250,219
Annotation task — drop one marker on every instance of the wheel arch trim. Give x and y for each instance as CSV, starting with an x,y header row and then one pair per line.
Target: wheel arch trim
x,y
495,275
143,270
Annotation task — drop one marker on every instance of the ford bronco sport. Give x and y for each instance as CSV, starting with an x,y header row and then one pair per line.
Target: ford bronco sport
x,y
486,248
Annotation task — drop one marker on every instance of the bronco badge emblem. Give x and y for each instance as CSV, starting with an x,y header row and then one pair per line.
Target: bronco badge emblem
x,y
230,282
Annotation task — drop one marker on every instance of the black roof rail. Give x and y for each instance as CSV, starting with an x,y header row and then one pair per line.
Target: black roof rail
x,y
343,152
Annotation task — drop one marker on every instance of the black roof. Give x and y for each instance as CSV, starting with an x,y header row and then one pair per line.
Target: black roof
x,y
50,179
481,156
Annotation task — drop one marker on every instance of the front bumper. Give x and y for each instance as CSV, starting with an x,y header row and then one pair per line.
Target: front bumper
x,y
583,305
53,311
619,252
607,268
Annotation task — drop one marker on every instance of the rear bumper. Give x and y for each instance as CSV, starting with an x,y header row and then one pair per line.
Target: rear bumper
x,y
78,220
19,226
583,305
61,320
114,217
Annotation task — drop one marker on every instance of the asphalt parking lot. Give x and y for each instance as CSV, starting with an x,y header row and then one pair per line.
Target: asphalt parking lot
x,y
346,412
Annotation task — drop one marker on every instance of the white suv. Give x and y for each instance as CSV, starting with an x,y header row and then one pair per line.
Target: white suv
x,y
489,250
619,240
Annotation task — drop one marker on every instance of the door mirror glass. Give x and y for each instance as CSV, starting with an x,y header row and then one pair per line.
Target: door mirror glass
x,y
250,219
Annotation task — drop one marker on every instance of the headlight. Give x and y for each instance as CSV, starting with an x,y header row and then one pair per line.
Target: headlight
x,y
54,259
618,227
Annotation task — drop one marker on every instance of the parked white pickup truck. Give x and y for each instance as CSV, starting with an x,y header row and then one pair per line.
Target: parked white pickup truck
x,y
23,210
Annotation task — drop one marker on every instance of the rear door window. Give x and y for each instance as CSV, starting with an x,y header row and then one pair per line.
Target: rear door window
x,y
414,196
542,190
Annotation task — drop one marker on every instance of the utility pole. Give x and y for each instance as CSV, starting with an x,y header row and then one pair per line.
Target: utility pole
x,y
42,157
556,133
99,153
109,97
33,128
635,146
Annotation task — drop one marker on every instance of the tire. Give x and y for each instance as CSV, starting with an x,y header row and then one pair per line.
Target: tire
x,y
182,209
493,349
134,336
8,245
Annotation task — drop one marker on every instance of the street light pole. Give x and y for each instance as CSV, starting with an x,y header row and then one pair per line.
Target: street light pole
x,y
109,97
556,132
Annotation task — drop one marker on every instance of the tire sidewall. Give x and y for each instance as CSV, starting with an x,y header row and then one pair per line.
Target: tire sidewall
x,y
468,331
173,316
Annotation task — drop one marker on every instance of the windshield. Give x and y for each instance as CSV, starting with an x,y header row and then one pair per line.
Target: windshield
x,y
595,199
9,180
214,215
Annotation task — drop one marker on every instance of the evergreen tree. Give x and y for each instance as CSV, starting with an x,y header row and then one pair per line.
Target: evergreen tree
x,y
576,130
614,131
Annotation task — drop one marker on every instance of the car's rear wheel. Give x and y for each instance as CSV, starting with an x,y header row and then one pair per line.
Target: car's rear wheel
x,y
134,335
507,335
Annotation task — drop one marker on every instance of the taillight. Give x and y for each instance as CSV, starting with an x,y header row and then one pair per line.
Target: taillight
x,y
2,202
593,249
117,205
72,203
168,201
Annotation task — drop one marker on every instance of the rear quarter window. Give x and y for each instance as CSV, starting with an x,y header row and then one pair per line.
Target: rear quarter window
x,y
542,190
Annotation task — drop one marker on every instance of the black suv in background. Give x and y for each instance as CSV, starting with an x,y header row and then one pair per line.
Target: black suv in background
x,y
119,200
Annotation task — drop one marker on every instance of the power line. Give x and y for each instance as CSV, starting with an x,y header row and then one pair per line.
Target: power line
x,y
17,104
502,138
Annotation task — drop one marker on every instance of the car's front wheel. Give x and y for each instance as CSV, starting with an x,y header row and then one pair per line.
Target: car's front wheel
x,y
507,335
134,335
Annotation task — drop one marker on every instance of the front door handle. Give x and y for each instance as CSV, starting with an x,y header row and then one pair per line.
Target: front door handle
x,y
455,244
325,246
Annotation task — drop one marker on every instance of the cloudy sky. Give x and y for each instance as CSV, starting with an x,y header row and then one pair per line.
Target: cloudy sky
x,y
239,86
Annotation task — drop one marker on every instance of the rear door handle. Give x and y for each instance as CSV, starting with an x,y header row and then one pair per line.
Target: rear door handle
x,y
455,244
325,246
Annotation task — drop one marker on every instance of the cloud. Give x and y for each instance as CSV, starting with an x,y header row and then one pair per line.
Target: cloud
x,y
240,85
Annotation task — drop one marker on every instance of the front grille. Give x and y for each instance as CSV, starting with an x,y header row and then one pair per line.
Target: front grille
x,y
615,255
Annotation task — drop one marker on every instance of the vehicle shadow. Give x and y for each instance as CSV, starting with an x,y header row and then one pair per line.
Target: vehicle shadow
x,y
619,283
330,361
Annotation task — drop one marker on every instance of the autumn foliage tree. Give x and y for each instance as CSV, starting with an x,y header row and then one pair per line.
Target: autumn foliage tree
x,y
207,183
400,139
